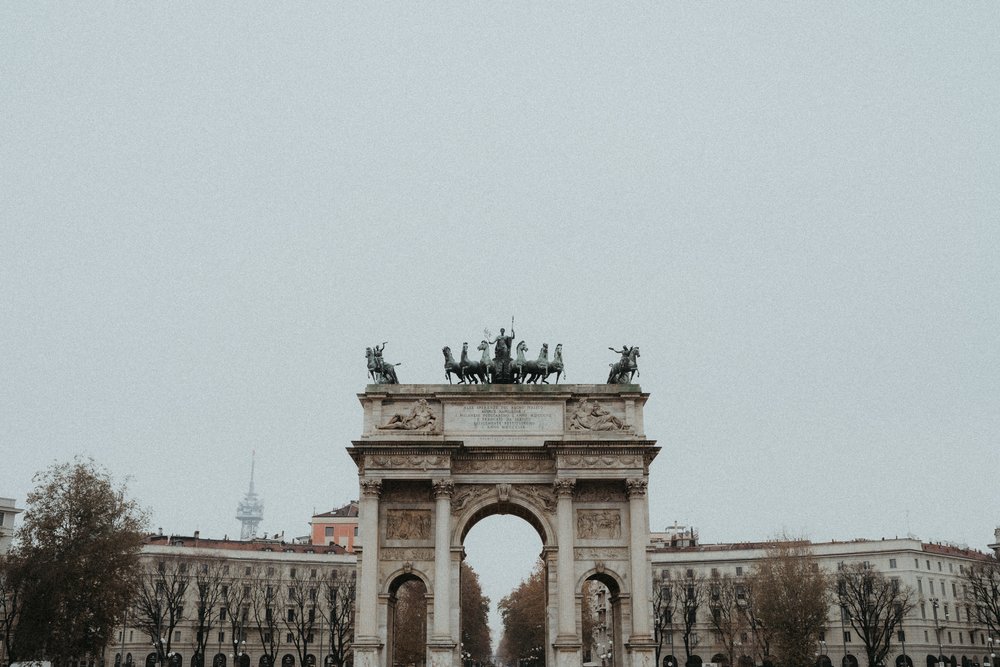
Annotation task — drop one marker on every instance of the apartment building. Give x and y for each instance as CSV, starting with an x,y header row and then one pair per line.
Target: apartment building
x,y
941,623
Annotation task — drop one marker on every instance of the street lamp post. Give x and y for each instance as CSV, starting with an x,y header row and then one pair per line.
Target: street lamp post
x,y
239,647
844,614
991,644
937,628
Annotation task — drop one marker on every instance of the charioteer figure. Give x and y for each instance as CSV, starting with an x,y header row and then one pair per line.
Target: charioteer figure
x,y
503,373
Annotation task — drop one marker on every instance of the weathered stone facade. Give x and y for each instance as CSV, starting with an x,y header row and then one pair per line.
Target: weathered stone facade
x,y
571,460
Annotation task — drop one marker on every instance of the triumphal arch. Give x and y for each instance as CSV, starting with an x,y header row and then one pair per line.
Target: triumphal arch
x,y
571,460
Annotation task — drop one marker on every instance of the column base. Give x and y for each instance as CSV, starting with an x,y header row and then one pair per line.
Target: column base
x,y
568,651
366,652
442,653
641,652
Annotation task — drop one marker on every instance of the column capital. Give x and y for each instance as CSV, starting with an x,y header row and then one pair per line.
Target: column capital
x,y
564,487
443,488
371,488
635,488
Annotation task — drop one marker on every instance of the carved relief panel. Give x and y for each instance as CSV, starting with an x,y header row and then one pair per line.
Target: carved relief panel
x,y
604,524
408,525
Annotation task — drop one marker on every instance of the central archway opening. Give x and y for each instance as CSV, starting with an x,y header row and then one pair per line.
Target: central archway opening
x,y
407,622
504,551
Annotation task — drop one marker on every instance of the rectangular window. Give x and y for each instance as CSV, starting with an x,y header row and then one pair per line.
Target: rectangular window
x,y
895,584
715,573
689,574
246,571
222,636
923,610
892,563
665,575
847,636
289,637
920,585
931,582
928,564
954,590
916,563
951,567
225,569
267,637
739,570
291,573
222,613
312,573
291,615
901,636
939,566
177,635
355,531
328,531
270,571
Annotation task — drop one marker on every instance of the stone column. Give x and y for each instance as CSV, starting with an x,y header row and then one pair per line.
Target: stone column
x,y
443,488
441,643
567,642
641,644
368,644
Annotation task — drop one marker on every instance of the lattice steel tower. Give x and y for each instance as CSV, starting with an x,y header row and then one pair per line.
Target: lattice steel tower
x,y
250,511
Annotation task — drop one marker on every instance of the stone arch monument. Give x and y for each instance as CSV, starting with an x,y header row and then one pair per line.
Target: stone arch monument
x,y
571,460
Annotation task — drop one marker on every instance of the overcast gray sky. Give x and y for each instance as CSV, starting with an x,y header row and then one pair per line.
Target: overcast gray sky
x,y
208,211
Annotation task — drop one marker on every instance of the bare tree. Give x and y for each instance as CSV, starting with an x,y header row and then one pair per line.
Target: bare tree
x,y
265,609
875,605
726,598
692,594
339,593
982,591
301,597
207,595
159,605
663,612
791,599
237,596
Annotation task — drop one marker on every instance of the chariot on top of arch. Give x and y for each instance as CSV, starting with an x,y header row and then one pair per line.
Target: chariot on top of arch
x,y
508,364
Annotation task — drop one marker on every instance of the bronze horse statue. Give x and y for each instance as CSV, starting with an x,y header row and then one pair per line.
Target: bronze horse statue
x,y
382,371
531,371
623,370
477,371
451,366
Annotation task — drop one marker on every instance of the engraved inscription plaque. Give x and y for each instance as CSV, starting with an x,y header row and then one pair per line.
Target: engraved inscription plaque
x,y
506,418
